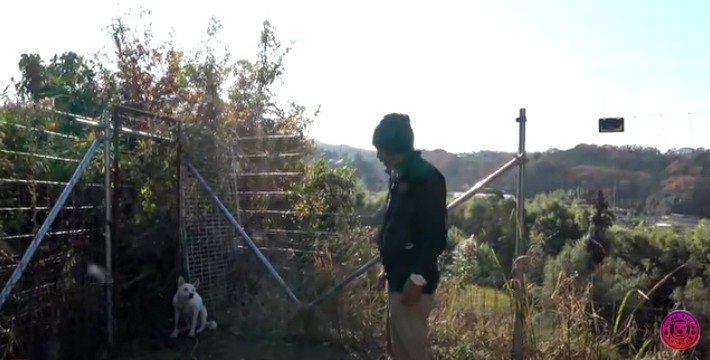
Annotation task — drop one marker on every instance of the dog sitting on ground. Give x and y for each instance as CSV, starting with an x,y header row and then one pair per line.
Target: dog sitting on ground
x,y
188,305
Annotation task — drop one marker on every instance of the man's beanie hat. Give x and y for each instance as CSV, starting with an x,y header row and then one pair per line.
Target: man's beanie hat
x,y
394,134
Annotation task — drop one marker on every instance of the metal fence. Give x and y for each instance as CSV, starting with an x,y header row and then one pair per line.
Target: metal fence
x,y
210,241
48,234
153,222
58,219
167,216
256,197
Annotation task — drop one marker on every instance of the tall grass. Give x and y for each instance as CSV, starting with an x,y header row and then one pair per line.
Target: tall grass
x,y
469,321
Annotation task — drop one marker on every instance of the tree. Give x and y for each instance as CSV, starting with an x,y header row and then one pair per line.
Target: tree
x,y
553,221
601,220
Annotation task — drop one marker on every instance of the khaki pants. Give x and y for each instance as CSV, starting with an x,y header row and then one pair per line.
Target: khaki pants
x,y
407,328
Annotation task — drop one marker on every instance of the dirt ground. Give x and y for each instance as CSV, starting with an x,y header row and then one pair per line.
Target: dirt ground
x,y
223,344
237,349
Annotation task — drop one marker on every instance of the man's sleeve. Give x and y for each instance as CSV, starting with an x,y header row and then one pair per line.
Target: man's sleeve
x,y
430,223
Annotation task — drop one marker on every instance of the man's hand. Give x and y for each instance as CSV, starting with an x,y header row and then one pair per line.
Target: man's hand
x,y
411,294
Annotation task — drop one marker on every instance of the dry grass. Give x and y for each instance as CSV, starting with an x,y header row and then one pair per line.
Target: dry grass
x,y
465,326
464,329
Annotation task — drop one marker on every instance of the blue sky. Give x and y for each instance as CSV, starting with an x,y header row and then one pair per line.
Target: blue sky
x,y
461,70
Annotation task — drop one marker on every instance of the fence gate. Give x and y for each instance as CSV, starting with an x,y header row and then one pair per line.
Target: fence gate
x,y
255,190
145,220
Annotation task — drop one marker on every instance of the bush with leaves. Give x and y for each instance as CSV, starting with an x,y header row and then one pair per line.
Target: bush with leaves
x,y
571,260
553,221
476,262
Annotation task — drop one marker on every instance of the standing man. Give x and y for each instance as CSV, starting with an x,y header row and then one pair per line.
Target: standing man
x,y
412,237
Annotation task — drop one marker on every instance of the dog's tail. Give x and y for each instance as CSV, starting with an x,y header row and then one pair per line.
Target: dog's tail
x,y
212,325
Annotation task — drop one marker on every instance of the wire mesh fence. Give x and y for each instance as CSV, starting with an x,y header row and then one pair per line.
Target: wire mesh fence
x,y
294,212
39,154
56,306
301,216
211,241
162,224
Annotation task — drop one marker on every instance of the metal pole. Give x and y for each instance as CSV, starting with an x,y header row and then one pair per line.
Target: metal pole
x,y
244,235
27,256
520,240
107,234
116,219
361,270
236,154
487,180
182,252
454,204
518,276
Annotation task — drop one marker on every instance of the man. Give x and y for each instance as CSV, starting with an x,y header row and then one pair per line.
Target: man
x,y
412,237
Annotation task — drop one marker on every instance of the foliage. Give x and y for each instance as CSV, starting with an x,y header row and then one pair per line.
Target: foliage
x,y
554,222
571,260
476,262
68,80
490,220
666,265
331,192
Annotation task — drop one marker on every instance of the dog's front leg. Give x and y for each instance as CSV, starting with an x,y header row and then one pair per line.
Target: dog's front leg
x,y
175,329
195,314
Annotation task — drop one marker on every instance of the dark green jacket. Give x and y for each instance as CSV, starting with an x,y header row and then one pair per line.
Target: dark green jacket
x,y
414,233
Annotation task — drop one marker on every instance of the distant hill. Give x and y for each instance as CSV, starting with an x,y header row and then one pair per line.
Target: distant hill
x,y
639,178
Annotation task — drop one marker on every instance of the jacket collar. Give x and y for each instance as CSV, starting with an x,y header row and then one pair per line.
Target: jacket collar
x,y
404,166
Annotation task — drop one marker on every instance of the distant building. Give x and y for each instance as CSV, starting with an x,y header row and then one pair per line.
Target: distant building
x,y
336,162
679,221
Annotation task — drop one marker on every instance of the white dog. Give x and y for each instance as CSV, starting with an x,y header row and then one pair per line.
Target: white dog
x,y
188,305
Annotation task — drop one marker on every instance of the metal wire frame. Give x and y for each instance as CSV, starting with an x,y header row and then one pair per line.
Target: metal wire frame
x,y
244,235
207,239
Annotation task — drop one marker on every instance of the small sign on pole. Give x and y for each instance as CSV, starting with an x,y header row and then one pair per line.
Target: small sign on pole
x,y
613,124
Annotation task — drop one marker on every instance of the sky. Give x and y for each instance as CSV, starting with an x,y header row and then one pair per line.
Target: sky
x,y
461,70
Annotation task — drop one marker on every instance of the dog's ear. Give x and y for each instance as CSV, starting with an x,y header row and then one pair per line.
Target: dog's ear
x,y
181,281
196,283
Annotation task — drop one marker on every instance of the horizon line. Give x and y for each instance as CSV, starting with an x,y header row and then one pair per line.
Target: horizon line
x,y
553,149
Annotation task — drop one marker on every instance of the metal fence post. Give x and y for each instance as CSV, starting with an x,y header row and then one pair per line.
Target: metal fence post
x,y
182,252
518,276
107,228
